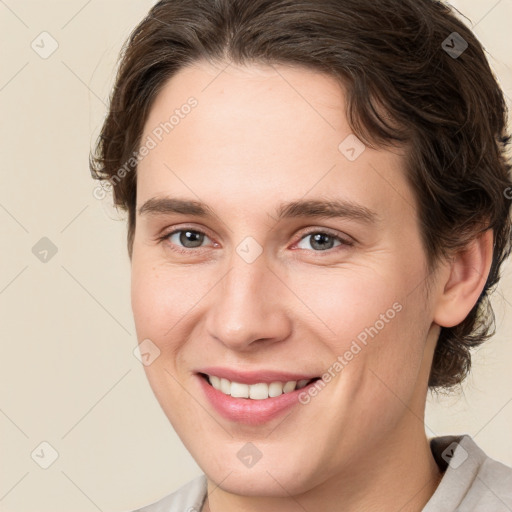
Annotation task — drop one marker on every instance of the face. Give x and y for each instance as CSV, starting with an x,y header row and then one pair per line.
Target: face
x,y
272,248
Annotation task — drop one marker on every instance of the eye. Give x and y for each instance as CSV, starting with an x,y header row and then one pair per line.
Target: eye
x,y
323,241
183,240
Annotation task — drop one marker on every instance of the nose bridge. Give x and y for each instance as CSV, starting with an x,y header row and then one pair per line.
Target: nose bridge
x,y
244,308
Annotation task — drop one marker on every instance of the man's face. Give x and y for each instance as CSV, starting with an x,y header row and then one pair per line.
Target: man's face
x,y
258,293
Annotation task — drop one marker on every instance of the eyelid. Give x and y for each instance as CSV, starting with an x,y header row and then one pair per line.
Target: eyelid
x,y
344,239
169,230
164,235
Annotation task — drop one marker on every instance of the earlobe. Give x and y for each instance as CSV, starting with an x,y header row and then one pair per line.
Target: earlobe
x,y
464,281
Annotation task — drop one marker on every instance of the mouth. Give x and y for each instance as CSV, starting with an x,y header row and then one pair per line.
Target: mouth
x,y
256,391
258,399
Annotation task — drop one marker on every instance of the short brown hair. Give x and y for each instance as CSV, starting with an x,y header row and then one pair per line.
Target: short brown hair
x,y
403,86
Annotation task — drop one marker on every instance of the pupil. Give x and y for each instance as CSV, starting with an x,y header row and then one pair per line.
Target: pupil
x,y
321,238
191,239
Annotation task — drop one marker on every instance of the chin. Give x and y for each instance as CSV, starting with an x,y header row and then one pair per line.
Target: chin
x,y
275,474
277,484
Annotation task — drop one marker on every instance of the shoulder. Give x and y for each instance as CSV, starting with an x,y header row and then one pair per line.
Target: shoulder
x,y
472,481
188,498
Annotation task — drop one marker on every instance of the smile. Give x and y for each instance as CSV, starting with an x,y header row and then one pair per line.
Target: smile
x,y
258,391
252,398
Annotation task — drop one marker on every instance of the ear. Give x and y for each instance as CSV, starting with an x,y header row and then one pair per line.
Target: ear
x,y
463,280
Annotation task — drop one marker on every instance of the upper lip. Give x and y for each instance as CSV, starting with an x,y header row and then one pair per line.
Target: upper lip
x,y
254,376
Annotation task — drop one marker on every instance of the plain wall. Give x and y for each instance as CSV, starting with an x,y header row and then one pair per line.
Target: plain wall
x,y
69,375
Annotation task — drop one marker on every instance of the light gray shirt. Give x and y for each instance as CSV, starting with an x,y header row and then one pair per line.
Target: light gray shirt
x,y
471,482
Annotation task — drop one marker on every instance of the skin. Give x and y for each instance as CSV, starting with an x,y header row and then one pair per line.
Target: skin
x,y
259,136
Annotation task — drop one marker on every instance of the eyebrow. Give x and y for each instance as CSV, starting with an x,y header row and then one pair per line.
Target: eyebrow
x,y
294,209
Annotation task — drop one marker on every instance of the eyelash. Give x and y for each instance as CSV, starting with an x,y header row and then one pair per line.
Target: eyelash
x,y
343,242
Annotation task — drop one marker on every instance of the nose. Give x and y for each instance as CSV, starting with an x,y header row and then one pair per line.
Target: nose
x,y
247,309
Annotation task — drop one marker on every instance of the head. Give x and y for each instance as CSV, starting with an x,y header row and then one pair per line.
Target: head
x,y
246,125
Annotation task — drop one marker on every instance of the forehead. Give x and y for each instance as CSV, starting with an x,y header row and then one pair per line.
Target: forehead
x,y
256,133
242,106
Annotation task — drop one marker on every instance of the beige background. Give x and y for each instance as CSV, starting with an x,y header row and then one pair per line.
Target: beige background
x,y
69,376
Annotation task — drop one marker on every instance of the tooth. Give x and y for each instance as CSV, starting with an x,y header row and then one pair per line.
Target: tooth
x,y
275,389
225,386
215,381
289,386
258,391
302,383
239,390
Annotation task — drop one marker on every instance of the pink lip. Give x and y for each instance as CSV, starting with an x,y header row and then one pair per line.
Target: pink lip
x,y
248,411
255,376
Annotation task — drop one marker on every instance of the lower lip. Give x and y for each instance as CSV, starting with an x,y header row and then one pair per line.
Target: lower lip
x,y
249,411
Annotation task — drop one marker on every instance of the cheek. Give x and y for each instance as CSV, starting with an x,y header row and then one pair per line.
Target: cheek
x,y
393,354
374,321
161,299
350,301
161,296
